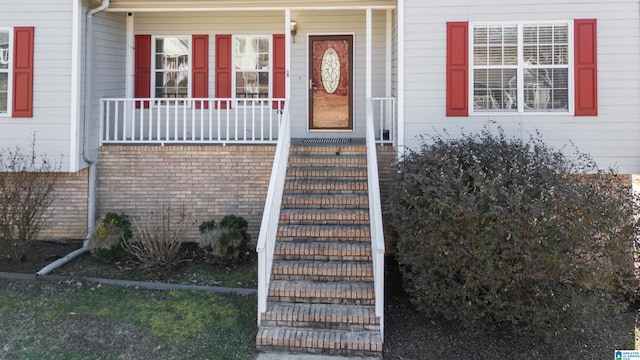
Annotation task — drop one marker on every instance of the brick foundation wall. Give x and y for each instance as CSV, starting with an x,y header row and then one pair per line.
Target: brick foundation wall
x,y
211,181
68,213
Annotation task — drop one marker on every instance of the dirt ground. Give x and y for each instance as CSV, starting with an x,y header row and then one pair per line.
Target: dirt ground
x,y
408,334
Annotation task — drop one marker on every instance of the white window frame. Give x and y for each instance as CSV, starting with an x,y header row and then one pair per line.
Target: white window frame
x,y
9,72
269,71
154,70
521,66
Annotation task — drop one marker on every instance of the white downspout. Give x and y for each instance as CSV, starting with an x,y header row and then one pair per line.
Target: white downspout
x,y
88,97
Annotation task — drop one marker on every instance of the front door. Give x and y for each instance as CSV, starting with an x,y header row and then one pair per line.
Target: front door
x,y
331,82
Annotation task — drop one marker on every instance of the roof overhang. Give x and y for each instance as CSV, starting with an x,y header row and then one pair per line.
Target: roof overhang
x,y
239,5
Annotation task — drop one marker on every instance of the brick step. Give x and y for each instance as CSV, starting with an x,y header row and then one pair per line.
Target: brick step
x,y
312,292
330,250
328,160
326,173
328,149
326,187
324,216
354,317
322,270
320,341
325,201
324,232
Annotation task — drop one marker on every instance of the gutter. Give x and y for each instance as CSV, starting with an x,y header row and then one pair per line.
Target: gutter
x,y
93,170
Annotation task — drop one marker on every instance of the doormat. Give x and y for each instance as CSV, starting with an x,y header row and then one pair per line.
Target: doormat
x,y
326,140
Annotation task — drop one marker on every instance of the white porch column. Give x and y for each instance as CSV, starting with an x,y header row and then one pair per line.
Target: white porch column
x,y
368,55
400,119
389,47
129,57
76,77
287,53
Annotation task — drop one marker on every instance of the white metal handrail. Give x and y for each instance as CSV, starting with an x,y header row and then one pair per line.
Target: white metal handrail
x,y
190,120
271,213
383,110
375,216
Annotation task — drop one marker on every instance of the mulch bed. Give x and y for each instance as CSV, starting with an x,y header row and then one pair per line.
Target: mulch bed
x,y
39,255
408,334
42,253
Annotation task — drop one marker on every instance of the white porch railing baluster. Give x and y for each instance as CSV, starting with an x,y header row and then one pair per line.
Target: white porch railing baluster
x,y
211,121
116,122
228,120
184,119
132,113
150,120
201,120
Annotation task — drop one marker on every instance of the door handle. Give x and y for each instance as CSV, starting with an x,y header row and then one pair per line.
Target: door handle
x,y
312,85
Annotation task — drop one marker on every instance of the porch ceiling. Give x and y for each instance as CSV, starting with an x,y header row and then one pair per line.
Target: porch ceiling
x,y
220,5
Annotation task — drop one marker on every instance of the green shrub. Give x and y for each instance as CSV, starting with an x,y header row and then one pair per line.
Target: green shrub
x,y
500,231
224,242
110,237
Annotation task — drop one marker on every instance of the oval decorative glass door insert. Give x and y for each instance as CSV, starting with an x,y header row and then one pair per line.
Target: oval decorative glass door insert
x,y
330,70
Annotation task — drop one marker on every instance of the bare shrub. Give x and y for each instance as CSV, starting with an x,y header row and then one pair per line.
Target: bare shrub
x,y
157,237
27,189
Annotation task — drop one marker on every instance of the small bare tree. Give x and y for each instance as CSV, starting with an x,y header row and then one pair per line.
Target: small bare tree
x,y
27,189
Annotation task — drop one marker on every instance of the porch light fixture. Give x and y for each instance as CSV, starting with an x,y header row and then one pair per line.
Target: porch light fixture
x,y
293,27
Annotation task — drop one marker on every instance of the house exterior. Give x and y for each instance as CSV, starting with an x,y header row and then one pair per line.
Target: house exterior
x,y
185,103
577,78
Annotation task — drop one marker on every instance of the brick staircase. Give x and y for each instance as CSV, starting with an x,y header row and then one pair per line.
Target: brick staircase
x,y
321,293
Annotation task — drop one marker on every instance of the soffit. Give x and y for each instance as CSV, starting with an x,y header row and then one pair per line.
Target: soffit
x,y
191,5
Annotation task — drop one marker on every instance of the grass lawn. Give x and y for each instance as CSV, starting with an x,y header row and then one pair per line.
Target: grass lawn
x,y
74,320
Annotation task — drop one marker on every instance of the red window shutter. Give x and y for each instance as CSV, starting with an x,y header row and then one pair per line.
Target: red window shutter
x,y
200,68
279,69
22,72
457,69
142,82
223,68
586,69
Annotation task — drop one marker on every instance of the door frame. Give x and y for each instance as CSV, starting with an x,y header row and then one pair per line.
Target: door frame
x,y
352,82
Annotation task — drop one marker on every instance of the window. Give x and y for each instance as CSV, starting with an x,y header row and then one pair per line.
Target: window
x,y
174,67
520,68
252,66
171,68
5,70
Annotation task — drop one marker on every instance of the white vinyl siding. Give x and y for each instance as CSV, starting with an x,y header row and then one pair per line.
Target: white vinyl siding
x,y
612,137
109,66
50,124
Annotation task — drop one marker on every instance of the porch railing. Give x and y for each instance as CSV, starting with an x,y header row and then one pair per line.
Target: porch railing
x,y
383,110
190,120
375,216
271,213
